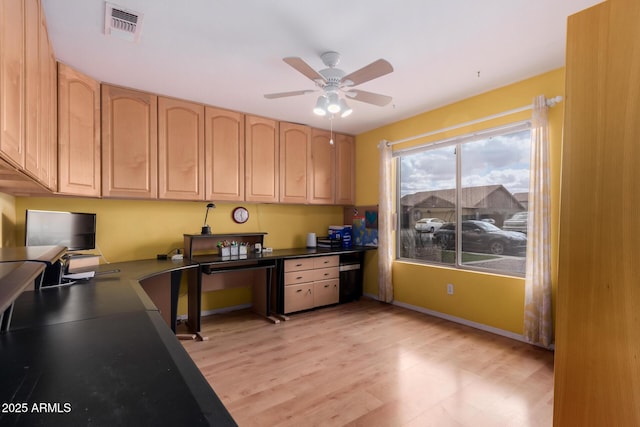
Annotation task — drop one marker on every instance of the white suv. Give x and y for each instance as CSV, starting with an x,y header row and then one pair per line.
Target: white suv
x,y
518,222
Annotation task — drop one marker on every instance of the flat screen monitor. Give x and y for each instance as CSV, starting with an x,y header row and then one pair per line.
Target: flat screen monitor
x,y
75,230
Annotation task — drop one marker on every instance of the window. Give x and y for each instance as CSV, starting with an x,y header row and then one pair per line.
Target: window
x,y
463,202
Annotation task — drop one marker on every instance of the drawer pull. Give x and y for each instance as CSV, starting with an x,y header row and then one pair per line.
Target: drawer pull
x,y
326,286
299,277
326,274
298,265
299,290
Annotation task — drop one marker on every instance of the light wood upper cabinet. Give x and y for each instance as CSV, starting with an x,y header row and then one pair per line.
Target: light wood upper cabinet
x,y
224,154
180,150
261,159
129,143
79,169
322,174
295,157
49,103
33,88
12,78
40,142
345,169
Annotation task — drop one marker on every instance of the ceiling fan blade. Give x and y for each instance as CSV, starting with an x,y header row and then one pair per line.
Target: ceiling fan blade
x,y
369,72
283,94
304,68
369,97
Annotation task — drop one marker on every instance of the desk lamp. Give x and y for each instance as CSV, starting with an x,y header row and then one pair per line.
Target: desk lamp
x,y
205,227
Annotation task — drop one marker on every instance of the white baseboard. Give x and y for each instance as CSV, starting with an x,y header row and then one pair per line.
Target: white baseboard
x,y
462,321
455,319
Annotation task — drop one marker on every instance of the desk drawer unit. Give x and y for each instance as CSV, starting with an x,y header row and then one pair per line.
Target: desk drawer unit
x,y
311,282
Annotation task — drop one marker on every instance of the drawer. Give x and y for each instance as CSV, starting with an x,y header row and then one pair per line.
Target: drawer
x,y
298,264
326,292
297,277
326,273
326,261
298,297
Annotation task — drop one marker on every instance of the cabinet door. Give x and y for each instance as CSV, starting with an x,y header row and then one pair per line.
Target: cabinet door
x,y
326,292
34,111
262,159
224,154
12,81
129,143
78,133
180,149
49,102
298,297
295,145
345,169
322,168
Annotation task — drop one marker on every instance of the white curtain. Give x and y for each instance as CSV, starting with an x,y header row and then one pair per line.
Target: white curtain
x,y
538,328
385,225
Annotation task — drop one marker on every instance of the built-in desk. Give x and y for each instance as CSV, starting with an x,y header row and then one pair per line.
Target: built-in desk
x,y
99,354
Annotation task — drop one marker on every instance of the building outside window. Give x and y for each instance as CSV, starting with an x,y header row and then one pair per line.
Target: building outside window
x,y
462,202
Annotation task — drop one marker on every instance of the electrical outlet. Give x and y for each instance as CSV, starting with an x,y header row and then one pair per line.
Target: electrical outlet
x,y
450,288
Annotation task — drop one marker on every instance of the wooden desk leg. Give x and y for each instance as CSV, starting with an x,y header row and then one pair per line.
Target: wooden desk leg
x,y
268,284
194,290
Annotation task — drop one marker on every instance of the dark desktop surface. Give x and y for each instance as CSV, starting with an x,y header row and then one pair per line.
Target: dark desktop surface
x,y
127,369
81,301
99,354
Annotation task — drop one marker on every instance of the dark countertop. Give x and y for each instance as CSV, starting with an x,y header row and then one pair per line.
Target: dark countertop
x,y
99,353
45,254
124,369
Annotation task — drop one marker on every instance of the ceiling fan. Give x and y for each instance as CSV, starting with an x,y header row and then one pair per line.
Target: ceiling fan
x,y
333,80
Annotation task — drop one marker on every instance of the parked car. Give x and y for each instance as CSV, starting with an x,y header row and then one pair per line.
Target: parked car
x,y
480,236
429,225
518,222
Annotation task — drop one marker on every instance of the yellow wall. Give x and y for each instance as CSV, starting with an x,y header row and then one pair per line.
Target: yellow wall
x,y
7,224
131,230
489,299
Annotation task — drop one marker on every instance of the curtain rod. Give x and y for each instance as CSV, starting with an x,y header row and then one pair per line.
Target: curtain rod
x,y
551,102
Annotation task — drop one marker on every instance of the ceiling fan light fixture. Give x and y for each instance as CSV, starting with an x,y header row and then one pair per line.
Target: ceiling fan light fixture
x,y
321,106
345,110
334,103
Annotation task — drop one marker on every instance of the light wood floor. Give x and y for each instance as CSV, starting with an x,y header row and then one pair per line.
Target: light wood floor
x,y
372,364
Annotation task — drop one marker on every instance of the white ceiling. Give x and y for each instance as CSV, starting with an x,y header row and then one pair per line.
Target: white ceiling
x,y
228,53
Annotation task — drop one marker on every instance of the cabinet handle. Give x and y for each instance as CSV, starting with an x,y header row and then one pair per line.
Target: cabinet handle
x,y
299,290
308,291
326,286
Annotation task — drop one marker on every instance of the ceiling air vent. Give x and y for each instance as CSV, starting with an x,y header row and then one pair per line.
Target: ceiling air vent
x,y
121,22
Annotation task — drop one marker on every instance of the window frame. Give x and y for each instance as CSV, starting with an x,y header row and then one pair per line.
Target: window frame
x,y
456,141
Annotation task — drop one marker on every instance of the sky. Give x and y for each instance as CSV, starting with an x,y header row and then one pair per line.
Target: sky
x,y
500,159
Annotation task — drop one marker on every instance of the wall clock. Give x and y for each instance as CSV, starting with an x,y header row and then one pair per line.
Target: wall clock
x,y
240,215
